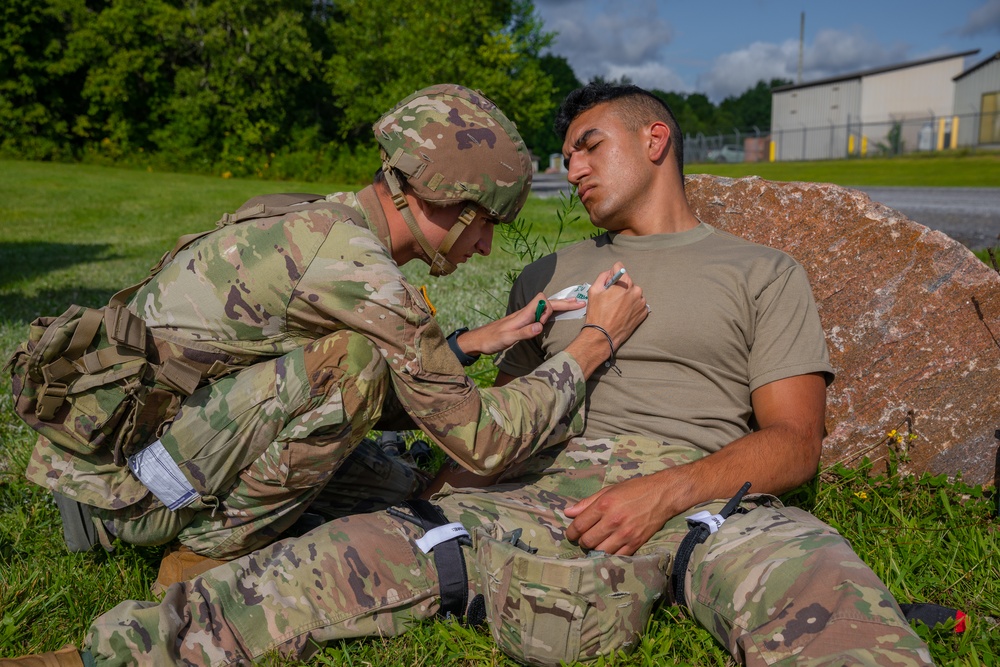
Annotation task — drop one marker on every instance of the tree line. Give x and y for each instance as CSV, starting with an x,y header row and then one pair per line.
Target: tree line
x,y
276,88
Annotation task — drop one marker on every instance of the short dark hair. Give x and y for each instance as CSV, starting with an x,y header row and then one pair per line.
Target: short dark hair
x,y
634,105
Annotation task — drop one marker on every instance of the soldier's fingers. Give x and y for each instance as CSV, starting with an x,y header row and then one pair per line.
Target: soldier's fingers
x,y
583,530
601,537
578,508
527,331
614,544
601,280
625,550
560,305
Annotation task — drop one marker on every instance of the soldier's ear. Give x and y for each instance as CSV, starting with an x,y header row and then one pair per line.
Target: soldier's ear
x,y
659,141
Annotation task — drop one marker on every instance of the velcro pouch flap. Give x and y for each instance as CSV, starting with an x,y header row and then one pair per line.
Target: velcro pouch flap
x,y
549,610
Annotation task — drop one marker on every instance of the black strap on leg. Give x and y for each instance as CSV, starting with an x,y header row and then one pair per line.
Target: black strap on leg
x,y
453,578
699,532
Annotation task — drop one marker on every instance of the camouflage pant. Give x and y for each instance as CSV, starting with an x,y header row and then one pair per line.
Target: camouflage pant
x,y
263,445
774,585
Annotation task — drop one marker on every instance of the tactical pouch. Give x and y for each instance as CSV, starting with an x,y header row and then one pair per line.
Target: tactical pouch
x,y
546,610
82,380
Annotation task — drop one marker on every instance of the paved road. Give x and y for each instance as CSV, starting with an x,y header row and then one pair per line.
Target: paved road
x,y
971,216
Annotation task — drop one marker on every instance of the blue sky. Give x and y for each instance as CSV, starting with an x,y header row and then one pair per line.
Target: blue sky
x,y
723,47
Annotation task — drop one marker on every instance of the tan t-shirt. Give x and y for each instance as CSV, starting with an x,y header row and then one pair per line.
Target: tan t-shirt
x,y
727,316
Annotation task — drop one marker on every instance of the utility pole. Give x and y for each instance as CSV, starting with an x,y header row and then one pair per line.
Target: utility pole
x,y
802,40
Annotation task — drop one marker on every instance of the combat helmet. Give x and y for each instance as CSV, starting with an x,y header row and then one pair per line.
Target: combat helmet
x,y
452,145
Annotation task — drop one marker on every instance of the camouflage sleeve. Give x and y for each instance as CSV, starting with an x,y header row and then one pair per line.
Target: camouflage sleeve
x,y
353,283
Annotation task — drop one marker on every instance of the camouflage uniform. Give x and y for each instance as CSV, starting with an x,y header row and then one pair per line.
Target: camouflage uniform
x,y
363,575
774,585
312,310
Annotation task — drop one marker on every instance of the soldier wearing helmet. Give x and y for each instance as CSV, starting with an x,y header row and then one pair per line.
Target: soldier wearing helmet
x,y
299,330
453,146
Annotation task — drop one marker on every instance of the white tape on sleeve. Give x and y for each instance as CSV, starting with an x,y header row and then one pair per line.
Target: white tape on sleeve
x,y
713,521
157,470
436,536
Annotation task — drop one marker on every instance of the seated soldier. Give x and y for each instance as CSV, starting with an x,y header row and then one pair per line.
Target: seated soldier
x,y
723,387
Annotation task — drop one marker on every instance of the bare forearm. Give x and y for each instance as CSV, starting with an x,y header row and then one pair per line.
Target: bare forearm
x,y
781,455
773,461
590,349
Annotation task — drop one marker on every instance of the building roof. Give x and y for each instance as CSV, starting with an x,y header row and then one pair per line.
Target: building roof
x,y
995,56
878,70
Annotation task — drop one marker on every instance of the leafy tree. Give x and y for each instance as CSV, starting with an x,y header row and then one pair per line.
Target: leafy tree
x,y
387,50
543,140
278,87
240,70
128,47
696,113
753,107
39,76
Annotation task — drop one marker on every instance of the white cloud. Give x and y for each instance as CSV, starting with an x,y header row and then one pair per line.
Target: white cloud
x,y
650,75
831,53
732,73
983,20
598,44
836,52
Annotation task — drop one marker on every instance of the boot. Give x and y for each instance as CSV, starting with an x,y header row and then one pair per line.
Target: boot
x,y
67,656
181,564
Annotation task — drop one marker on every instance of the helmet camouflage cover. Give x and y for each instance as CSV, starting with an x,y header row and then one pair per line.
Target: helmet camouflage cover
x,y
454,145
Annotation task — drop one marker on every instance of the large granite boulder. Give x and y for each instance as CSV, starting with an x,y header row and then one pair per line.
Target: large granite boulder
x,y
912,319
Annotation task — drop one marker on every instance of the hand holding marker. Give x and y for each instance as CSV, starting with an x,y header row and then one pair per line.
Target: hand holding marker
x,y
614,278
578,292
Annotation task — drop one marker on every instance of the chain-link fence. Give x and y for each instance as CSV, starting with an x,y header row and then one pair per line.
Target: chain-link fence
x,y
836,142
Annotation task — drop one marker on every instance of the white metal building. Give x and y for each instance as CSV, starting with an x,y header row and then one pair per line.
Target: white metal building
x,y
977,103
857,113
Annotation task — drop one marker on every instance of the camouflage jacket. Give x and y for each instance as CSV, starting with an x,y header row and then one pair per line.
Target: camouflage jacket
x,y
263,287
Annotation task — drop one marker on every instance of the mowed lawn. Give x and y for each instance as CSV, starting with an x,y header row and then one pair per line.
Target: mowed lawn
x,y
77,234
981,170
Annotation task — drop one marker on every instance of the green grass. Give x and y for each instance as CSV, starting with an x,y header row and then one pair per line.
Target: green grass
x,y
77,234
951,170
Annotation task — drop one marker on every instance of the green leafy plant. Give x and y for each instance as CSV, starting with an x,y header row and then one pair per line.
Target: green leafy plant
x,y
523,242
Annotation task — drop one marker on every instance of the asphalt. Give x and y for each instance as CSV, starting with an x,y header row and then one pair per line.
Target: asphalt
x,y
971,216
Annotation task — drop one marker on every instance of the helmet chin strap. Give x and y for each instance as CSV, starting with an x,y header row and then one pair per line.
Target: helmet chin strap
x,y
437,259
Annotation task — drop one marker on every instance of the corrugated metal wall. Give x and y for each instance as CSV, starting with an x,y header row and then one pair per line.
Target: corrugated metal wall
x,y
924,91
793,112
969,92
915,92
894,111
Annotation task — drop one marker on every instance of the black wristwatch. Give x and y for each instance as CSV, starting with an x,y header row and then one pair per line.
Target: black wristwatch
x,y
465,359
